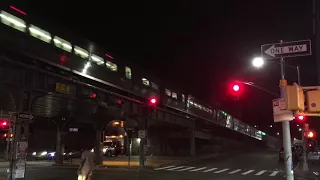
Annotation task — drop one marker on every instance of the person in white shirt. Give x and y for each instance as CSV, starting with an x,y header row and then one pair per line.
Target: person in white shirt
x,y
86,165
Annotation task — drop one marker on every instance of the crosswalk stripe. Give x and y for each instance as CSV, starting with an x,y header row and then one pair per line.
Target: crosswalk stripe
x,y
163,167
248,172
235,171
175,168
223,170
261,172
274,173
193,170
212,169
184,169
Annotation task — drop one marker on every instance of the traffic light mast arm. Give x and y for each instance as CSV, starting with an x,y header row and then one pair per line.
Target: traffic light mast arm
x,y
258,87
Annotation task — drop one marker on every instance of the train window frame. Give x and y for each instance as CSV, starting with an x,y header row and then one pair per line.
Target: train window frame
x,y
145,82
62,44
81,52
97,59
128,72
39,33
167,92
174,95
13,21
112,66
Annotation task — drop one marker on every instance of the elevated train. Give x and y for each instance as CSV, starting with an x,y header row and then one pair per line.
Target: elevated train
x,y
19,35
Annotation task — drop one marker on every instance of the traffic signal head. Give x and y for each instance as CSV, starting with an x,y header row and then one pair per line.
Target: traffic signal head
x,y
311,134
294,98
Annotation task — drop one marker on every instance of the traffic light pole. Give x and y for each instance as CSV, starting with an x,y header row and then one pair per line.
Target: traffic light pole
x,y
304,151
286,129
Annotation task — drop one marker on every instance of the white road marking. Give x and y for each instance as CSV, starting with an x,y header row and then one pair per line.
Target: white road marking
x,y
164,168
172,169
235,171
261,172
184,169
274,173
212,169
248,172
223,170
198,169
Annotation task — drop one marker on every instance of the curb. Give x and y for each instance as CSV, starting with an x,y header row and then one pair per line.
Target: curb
x,y
103,167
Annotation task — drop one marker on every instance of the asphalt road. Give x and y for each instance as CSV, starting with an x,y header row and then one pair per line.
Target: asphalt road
x,y
240,165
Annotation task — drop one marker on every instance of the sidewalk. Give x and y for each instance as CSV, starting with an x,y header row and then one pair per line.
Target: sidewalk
x,y
314,168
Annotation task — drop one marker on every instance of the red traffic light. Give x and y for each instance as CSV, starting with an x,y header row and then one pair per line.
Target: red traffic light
x,y
236,87
94,95
301,117
4,123
153,101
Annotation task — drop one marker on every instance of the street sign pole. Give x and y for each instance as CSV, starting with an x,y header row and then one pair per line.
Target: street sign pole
x,y
286,129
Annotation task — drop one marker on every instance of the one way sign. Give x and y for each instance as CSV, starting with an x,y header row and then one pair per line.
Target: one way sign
x,y
286,49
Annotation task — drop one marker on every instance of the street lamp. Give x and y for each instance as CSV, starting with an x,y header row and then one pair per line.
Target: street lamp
x,y
258,62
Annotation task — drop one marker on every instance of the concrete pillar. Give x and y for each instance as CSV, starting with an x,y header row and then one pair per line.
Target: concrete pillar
x,y
58,155
192,142
97,149
143,142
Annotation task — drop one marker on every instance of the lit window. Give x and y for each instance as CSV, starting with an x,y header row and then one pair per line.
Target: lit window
x,y
154,86
191,102
112,66
96,59
183,97
13,21
168,92
128,72
62,44
81,52
174,95
145,82
40,33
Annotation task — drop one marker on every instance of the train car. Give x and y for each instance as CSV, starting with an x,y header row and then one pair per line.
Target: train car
x,y
83,59
196,107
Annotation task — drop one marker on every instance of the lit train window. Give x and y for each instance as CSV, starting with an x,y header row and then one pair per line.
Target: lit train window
x,y
168,92
62,44
40,33
183,98
96,59
13,21
174,95
145,82
81,52
128,72
112,66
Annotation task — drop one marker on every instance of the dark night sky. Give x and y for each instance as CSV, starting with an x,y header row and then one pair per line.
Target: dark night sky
x,y
196,45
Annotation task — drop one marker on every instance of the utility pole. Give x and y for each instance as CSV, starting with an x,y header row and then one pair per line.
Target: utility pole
x,y
286,129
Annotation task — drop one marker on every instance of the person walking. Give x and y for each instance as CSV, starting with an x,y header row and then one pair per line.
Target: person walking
x,y
86,165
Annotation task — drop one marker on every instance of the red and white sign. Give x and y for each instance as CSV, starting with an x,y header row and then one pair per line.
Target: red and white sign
x,y
280,112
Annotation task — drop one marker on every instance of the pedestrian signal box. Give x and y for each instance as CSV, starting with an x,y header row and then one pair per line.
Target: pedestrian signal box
x,y
313,101
295,98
